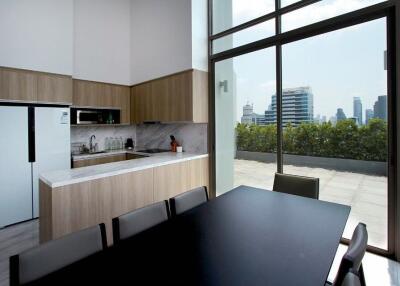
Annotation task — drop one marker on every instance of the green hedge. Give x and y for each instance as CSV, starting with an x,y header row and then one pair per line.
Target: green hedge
x,y
343,140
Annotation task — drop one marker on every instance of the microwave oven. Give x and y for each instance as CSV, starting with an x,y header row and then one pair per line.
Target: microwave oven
x,y
95,116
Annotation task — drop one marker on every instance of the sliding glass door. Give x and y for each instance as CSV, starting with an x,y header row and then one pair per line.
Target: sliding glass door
x,y
334,120
304,92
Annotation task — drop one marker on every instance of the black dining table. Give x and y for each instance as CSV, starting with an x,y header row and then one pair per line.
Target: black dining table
x,y
247,236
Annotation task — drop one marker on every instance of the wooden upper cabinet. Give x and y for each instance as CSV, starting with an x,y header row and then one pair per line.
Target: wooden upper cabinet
x,y
91,94
31,86
18,85
54,89
181,97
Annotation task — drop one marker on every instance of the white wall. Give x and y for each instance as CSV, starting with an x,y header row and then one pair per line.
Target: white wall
x,y
161,38
37,35
102,40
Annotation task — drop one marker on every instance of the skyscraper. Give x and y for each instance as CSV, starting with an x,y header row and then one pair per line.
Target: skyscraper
x,y
369,113
380,107
357,110
249,117
340,114
297,106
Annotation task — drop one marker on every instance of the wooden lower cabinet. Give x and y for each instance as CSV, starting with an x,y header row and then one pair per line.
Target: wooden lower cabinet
x,y
70,208
98,161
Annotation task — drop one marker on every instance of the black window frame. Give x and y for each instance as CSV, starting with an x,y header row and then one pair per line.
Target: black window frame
x,y
391,11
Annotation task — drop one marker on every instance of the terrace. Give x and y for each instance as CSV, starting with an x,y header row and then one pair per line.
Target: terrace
x,y
366,194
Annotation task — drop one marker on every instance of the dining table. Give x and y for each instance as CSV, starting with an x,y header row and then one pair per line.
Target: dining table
x,y
247,236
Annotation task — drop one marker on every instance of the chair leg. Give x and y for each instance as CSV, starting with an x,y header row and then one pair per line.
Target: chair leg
x,y
361,275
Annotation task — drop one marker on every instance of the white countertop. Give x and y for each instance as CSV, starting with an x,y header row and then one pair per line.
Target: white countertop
x,y
105,154
72,176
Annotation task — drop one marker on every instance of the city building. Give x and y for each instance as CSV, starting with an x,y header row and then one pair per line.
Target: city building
x,y
249,117
357,110
380,107
369,113
297,106
340,115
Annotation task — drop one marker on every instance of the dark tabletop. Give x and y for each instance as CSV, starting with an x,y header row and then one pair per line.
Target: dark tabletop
x,y
245,237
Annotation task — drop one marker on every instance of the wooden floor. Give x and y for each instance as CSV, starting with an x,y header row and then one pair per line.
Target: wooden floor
x,y
15,239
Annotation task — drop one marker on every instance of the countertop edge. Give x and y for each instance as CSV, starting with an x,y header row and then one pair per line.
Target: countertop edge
x,y
119,172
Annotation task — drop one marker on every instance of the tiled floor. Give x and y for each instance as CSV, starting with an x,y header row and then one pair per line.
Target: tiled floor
x,y
366,194
379,271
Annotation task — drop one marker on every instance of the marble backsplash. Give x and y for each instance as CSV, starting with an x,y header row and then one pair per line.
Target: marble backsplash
x,y
83,133
193,137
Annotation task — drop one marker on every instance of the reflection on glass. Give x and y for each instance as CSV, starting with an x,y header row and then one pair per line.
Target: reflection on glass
x,y
335,120
230,13
243,138
254,33
321,10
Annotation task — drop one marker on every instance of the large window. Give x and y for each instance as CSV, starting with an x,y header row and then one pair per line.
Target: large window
x,y
313,101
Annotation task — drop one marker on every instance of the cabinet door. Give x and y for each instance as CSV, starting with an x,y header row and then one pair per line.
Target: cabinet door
x,y
140,99
99,161
54,89
121,100
18,85
180,100
85,94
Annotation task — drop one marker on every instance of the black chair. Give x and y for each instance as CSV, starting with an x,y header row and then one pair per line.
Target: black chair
x,y
53,255
132,223
352,259
297,185
188,200
351,279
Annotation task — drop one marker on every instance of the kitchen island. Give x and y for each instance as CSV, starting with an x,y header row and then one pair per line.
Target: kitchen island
x,y
74,199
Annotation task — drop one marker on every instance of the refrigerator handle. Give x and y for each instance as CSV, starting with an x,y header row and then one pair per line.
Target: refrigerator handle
x,y
31,134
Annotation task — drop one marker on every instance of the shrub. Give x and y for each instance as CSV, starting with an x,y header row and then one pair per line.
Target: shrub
x,y
343,140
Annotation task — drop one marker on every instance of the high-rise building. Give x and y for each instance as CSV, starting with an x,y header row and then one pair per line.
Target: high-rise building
x,y
297,107
369,113
249,117
380,107
357,110
340,115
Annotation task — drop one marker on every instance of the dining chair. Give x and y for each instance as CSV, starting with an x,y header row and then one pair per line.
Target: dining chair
x,y
188,200
296,185
134,222
351,279
53,255
352,259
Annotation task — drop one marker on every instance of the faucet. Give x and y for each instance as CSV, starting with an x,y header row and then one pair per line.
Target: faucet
x,y
91,146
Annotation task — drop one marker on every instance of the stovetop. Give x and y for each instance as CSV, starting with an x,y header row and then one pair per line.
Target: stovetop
x,y
152,151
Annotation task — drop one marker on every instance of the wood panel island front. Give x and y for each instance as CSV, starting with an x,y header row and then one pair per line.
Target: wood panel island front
x,y
74,199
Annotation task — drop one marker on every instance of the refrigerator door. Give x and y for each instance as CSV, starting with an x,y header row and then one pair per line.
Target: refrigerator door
x,y
15,169
53,148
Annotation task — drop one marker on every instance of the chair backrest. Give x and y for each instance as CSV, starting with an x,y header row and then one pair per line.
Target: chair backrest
x,y
297,185
132,223
188,200
53,255
352,259
351,279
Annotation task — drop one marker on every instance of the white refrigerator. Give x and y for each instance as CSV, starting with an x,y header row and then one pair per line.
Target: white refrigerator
x,y
33,140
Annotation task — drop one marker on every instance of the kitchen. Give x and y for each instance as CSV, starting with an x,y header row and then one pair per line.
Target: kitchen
x,y
65,108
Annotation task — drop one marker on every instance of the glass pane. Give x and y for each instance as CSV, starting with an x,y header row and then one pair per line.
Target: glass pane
x,y
254,33
285,3
322,10
335,120
245,146
230,13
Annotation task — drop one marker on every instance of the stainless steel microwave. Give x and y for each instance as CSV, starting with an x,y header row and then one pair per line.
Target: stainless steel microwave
x,y
88,116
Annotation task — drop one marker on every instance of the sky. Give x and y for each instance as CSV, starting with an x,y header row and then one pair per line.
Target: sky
x,y
337,66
